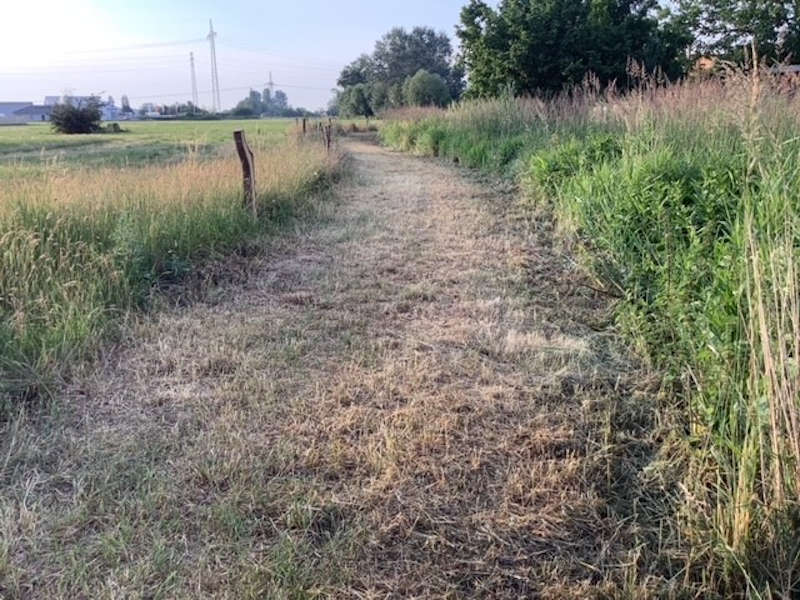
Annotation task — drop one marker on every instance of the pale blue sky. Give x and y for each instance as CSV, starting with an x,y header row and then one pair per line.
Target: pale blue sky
x,y
86,46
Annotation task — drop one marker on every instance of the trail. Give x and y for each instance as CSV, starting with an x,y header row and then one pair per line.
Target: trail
x,y
415,397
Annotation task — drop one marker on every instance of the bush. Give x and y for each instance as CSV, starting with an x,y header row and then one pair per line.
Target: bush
x,y
426,89
77,118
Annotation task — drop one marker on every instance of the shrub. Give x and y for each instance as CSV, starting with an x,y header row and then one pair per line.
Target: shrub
x,y
79,117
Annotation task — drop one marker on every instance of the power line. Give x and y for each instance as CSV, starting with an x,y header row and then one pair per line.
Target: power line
x,y
232,89
139,46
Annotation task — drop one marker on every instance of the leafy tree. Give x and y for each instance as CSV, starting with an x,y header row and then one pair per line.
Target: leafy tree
x,y
535,45
379,96
354,101
398,56
126,105
267,103
361,70
395,95
725,27
333,108
77,116
426,89
281,101
456,80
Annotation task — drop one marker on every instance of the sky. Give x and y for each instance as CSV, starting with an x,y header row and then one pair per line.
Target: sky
x,y
141,47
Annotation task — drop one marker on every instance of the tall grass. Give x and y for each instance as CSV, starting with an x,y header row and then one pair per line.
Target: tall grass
x,y
79,246
685,201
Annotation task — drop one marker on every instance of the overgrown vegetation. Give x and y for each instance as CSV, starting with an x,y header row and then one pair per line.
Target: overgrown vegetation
x,y
76,118
683,201
83,246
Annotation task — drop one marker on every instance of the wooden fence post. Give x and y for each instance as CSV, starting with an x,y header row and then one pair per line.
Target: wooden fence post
x,y
248,170
328,131
304,126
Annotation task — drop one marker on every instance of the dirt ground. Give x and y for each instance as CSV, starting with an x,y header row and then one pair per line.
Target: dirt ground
x,y
417,395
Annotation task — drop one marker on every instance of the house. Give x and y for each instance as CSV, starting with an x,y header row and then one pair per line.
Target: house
x,y
9,110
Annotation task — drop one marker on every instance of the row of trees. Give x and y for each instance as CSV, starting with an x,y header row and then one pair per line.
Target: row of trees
x,y
267,104
367,99
535,45
527,46
406,67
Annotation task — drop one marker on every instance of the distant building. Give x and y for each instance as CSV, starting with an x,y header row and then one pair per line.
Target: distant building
x,y
36,112
9,110
108,110
15,113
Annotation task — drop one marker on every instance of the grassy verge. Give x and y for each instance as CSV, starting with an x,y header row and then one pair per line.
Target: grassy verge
x,y
683,202
80,247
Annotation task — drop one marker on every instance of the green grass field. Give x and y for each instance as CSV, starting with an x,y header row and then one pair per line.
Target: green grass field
x,y
143,142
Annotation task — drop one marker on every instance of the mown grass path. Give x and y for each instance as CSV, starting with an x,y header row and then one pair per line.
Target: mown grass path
x,y
414,397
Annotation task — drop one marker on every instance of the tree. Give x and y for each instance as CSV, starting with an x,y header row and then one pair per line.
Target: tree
x,y
398,56
267,103
379,96
281,100
354,101
544,45
426,89
126,105
361,70
725,27
395,95
78,116
254,99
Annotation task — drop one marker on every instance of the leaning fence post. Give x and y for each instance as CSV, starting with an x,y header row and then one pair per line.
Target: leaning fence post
x,y
248,170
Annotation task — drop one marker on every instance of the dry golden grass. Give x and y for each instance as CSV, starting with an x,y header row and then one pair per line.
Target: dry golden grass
x,y
280,170
409,399
82,245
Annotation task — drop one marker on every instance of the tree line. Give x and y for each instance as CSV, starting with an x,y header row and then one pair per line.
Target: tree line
x,y
267,104
543,46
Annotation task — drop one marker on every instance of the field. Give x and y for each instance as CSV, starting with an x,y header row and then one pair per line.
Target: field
x,y
568,370
143,142
683,203
92,225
